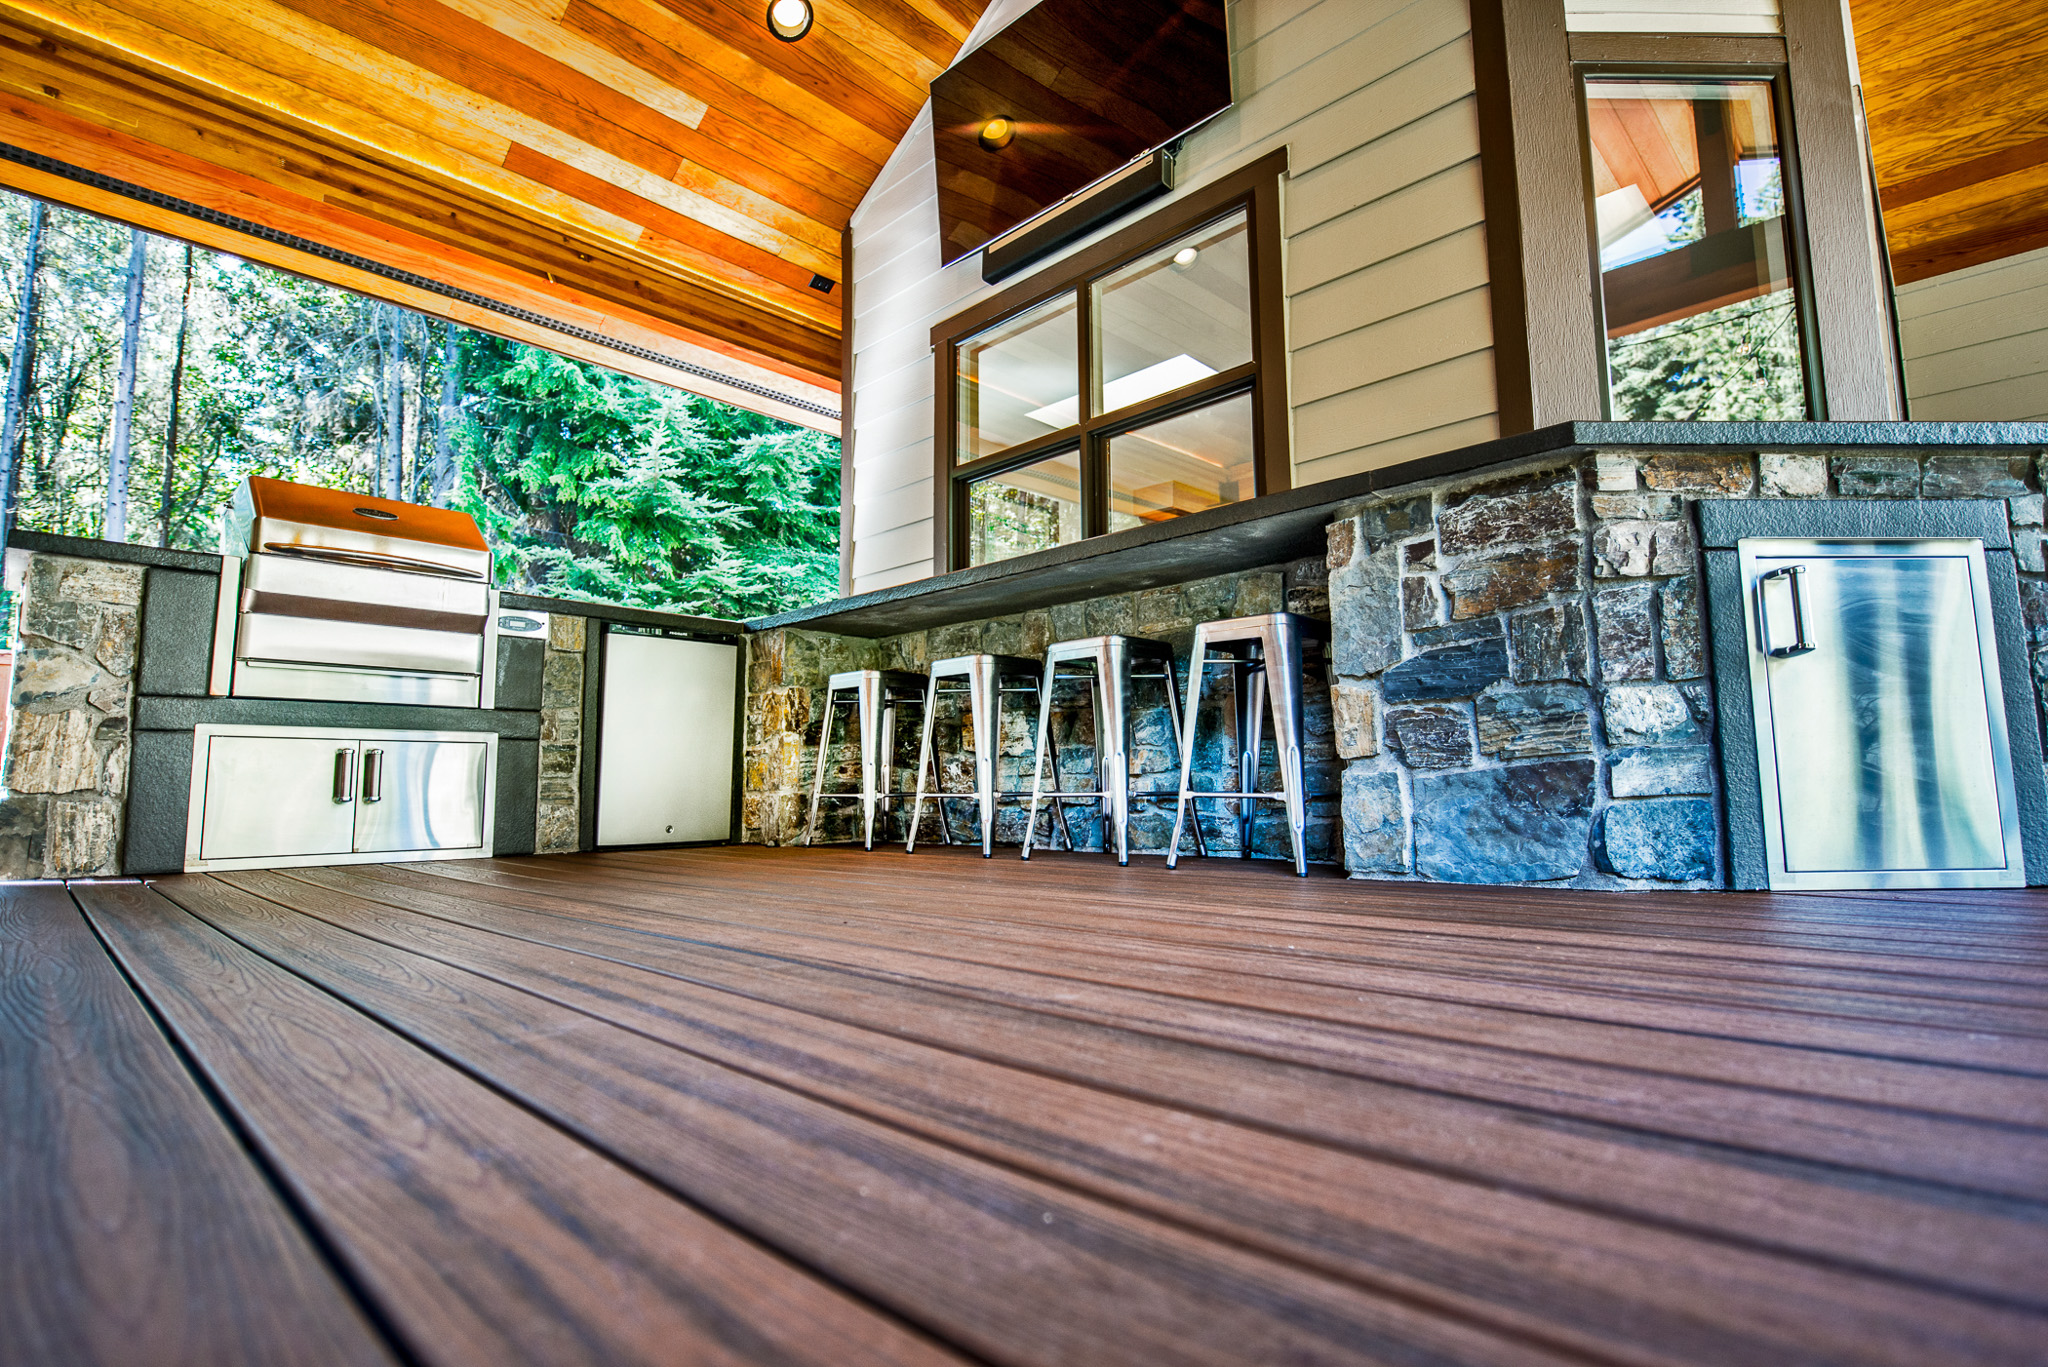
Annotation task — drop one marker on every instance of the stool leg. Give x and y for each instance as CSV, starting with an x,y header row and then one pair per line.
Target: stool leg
x,y
1187,751
1173,722
1113,667
1059,805
1283,688
1038,760
1253,736
818,784
924,759
885,765
870,724
984,699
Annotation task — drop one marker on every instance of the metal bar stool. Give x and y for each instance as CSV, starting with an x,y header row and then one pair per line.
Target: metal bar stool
x,y
874,695
984,675
1111,663
1263,654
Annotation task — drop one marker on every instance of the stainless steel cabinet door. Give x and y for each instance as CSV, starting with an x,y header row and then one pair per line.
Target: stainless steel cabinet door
x,y
420,795
279,796
664,769
1881,732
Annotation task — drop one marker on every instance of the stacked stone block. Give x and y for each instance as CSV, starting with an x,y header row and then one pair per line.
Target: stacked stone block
x,y
787,671
1522,660
557,822
73,690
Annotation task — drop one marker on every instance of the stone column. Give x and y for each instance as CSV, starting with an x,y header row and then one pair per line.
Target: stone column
x,y
561,736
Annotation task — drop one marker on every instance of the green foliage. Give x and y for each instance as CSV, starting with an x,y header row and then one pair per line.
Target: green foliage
x,y
1737,363
588,484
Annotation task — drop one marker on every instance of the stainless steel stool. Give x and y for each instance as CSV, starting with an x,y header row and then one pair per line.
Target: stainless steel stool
x,y
875,694
1267,648
1111,663
984,675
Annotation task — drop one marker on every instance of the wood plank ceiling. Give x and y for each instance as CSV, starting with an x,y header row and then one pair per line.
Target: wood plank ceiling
x,y
1956,92
635,181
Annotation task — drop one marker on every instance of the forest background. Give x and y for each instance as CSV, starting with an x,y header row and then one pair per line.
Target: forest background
x,y
153,377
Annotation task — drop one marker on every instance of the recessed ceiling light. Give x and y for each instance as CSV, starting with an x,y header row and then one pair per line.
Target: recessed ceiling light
x,y
997,132
789,20
1185,257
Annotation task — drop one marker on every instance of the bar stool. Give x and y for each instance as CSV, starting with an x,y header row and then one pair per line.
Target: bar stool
x,y
1263,654
984,675
1111,663
874,695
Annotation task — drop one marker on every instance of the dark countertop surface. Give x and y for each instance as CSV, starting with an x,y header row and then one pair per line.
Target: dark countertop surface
x,y
1289,525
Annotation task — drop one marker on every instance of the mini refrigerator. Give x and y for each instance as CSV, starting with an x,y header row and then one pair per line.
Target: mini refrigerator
x,y
665,753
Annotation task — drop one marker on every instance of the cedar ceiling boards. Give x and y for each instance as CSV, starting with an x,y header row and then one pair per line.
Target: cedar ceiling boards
x,y
1956,92
660,173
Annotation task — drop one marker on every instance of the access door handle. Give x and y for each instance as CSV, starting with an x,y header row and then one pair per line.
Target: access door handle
x,y
373,775
345,775
1800,645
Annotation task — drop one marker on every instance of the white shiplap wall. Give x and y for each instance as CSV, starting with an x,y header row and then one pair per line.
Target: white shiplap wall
x,y
1976,342
1390,332
1673,16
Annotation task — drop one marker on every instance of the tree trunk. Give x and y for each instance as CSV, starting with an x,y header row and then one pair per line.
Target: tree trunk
x,y
451,414
115,527
14,426
393,481
177,384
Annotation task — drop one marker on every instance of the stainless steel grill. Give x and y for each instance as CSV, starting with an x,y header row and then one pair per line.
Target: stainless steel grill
x,y
349,598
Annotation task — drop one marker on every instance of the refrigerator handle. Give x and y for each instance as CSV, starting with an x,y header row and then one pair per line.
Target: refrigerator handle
x,y
1800,645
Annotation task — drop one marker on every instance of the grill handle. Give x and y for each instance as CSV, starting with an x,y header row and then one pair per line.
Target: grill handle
x,y
376,560
345,774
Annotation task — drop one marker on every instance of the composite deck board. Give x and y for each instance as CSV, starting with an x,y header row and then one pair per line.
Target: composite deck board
x,y
485,1234
805,1106
1953,1240
136,1228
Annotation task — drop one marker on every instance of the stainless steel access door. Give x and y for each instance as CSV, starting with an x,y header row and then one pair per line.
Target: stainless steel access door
x,y
420,795
1881,737
664,770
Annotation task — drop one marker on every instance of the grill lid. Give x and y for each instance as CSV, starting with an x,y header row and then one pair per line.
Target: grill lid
x,y
278,517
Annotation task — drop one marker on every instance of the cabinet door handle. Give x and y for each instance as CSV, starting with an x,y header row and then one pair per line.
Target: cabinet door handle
x,y
373,775
1800,645
345,775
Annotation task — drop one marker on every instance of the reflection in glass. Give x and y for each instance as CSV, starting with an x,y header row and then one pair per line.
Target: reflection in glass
x,y
1017,381
1179,315
1020,511
1695,260
1182,465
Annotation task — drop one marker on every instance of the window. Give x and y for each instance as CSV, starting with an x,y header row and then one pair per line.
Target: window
x,y
1120,388
1697,239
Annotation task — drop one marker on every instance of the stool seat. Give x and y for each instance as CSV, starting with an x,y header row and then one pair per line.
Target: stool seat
x,y
1263,653
984,676
875,694
1112,662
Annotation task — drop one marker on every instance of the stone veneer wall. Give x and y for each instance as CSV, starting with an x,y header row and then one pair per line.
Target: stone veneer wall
x,y
787,671
71,699
1521,691
556,823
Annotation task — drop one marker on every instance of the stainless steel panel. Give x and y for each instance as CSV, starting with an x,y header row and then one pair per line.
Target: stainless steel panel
x,y
273,795
296,587
339,683
311,640
665,755
421,795
1882,745
270,515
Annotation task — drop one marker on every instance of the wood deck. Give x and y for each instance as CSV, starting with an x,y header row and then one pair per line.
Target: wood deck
x,y
818,1107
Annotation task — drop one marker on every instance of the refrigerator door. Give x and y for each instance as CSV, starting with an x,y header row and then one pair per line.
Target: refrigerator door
x,y
420,795
665,758
1881,737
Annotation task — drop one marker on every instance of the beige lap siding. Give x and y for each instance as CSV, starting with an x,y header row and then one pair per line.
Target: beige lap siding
x,y
1976,341
1390,334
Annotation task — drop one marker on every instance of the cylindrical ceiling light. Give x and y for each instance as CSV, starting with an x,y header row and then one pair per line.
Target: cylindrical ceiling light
x,y
789,20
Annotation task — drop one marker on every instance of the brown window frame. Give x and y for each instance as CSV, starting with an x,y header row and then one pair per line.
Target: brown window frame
x,y
1706,57
1255,189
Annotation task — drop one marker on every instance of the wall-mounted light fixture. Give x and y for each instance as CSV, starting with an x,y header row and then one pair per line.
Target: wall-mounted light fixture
x,y
789,20
997,132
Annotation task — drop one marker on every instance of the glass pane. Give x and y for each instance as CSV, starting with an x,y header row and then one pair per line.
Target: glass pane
x,y
1018,380
1187,463
1695,257
1020,511
1177,316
